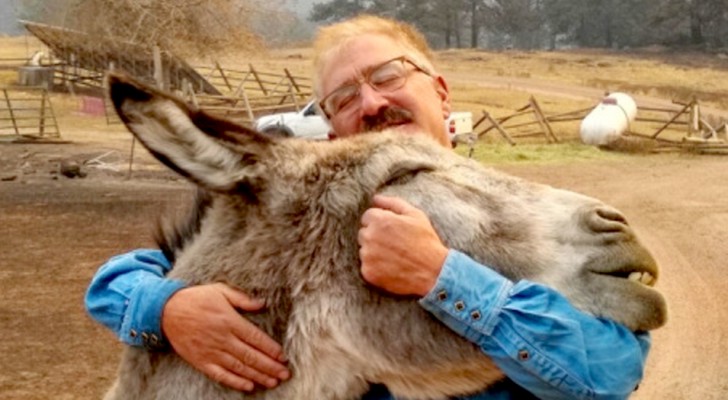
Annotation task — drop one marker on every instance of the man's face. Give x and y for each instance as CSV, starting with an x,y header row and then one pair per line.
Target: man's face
x,y
421,105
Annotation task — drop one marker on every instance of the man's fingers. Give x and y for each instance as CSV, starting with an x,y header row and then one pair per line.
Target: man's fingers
x,y
248,356
241,300
259,340
227,378
394,204
241,369
372,215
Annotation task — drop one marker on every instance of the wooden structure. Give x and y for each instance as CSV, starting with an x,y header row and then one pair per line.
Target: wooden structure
x,y
13,63
527,116
27,116
83,61
699,135
681,128
248,94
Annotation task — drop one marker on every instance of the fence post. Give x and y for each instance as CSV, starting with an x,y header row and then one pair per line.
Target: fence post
x,y
10,110
158,68
673,119
247,106
542,121
41,120
293,81
257,78
694,125
222,74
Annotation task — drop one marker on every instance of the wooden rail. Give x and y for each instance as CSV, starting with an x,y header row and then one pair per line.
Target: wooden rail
x,y
27,115
699,136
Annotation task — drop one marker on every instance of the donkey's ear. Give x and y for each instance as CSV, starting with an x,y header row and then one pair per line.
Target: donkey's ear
x,y
216,154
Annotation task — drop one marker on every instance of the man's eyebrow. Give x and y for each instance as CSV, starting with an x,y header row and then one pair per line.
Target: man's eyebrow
x,y
364,73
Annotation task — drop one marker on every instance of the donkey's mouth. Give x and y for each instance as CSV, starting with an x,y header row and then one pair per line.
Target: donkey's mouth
x,y
640,276
644,278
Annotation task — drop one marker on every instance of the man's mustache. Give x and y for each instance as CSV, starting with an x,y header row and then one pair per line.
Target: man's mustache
x,y
386,117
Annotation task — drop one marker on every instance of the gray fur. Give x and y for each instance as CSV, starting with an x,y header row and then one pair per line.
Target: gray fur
x,y
282,225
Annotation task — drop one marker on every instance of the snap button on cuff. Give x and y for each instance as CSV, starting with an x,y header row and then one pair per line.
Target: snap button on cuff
x,y
442,295
460,305
475,315
133,333
523,355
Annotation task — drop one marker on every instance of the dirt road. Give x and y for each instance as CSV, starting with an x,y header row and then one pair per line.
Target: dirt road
x,y
55,232
564,90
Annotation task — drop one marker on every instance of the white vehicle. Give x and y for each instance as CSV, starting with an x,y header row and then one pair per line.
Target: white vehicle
x,y
308,124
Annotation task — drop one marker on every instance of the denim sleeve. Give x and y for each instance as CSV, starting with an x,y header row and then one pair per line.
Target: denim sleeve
x,y
128,294
535,336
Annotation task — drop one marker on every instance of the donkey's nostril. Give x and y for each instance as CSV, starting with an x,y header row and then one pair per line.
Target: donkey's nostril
x,y
603,219
611,215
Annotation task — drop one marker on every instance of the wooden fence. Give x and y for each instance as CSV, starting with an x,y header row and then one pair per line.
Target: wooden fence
x,y
27,115
12,63
670,128
250,93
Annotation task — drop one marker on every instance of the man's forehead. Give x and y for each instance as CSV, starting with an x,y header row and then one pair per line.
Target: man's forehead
x,y
357,56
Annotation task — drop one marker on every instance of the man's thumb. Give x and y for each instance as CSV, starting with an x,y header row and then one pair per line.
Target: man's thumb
x,y
393,204
241,300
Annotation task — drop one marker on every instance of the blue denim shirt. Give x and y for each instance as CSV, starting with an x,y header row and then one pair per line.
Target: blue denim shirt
x,y
533,334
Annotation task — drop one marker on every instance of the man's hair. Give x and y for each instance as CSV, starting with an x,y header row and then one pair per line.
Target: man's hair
x,y
331,38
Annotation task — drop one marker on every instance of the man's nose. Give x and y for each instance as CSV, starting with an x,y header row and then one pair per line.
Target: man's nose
x,y
371,100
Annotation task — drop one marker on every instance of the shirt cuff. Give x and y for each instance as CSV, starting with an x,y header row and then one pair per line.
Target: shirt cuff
x,y
143,323
467,296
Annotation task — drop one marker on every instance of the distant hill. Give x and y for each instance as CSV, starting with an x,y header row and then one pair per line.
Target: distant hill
x,y
8,19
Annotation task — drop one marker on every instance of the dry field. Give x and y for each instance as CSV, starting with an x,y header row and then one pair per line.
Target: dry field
x,y
54,231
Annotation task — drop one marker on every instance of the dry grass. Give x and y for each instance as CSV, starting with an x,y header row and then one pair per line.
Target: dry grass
x,y
654,72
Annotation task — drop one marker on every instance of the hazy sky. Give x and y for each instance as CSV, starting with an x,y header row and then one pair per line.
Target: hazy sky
x,y
302,7
7,18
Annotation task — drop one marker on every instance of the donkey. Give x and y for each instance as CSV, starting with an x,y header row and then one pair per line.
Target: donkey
x,y
280,220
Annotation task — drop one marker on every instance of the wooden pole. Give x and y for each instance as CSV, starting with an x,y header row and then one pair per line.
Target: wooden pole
x,y
41,118
293,81
694,127
131,157
158,67
224,77
247,106
684,109
480,121
10,110
257,79
498,127
542,121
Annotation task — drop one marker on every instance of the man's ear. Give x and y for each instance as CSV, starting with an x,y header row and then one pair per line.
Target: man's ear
x,y
443,91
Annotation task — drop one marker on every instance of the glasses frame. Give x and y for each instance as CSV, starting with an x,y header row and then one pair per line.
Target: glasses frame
x,y
366,79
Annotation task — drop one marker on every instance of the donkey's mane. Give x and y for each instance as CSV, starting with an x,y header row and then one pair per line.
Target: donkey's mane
x,y
173,234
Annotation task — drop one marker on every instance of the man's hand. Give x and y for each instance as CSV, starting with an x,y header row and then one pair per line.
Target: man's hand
x,y
400,251
204,328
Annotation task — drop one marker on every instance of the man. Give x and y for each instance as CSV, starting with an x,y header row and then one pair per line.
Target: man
x,y
372,73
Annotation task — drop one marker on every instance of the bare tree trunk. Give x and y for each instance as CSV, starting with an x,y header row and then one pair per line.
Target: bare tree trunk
x,y
696,27
474,27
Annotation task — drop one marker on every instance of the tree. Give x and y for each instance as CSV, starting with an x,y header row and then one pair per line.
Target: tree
x,y
184,27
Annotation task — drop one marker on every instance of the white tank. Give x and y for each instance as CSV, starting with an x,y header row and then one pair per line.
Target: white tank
x,y
609,120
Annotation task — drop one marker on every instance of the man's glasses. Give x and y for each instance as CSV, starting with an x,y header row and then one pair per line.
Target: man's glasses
x,y
384,78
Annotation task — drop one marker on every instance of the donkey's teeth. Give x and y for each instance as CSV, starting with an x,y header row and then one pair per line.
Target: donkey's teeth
x,y
644,278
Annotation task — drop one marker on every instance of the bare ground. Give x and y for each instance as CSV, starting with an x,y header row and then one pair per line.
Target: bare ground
x,y
55,231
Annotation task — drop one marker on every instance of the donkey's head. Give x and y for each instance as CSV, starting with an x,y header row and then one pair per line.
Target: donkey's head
x,y
576,244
